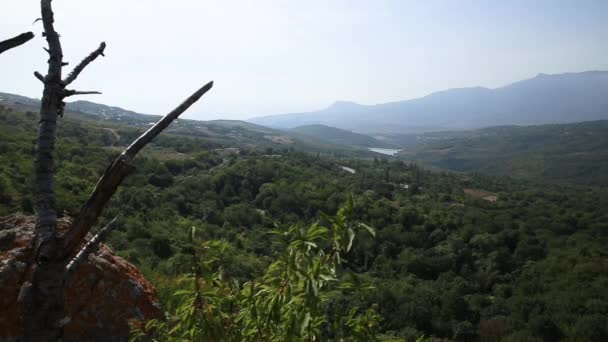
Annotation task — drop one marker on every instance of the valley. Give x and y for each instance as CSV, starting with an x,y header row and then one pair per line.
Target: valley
x,y
365,171
457,256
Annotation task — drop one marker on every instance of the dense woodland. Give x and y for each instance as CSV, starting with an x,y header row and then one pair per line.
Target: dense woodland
x,y
464,257
564,153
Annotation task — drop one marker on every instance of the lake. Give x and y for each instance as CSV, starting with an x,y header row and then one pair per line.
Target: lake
x,y
387,151
348,169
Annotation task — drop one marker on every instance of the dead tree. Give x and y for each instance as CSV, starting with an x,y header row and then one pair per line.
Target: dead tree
x,y
57,255
15,41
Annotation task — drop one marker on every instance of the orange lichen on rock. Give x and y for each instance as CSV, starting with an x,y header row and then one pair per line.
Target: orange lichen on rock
x,y
102,297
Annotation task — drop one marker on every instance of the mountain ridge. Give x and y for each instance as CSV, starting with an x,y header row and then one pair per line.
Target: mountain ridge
x,y
543,99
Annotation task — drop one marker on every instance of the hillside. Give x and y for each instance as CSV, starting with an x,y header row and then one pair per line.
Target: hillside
x,y
339,136
224,133
86,109
575,153
544,99
459,257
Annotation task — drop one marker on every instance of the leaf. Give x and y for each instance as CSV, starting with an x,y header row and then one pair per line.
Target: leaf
x,y
275,232
327,278
369,229
316,231
304,323
183,292
310,244
351,237
346,285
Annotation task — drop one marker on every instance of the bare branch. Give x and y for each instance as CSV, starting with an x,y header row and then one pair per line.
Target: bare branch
x,y
163,123
116,173
39,76
89,247
15,41
67,93
80,67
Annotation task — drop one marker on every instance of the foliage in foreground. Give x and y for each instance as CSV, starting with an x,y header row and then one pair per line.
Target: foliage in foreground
x,y
289,302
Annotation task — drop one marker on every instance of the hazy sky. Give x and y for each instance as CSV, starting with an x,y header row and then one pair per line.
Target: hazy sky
x,y
270,57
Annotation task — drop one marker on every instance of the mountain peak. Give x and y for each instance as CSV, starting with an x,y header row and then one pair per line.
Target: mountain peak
x,y
343,105
573,74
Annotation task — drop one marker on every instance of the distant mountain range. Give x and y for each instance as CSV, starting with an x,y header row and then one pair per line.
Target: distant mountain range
x,y
544,99
570,153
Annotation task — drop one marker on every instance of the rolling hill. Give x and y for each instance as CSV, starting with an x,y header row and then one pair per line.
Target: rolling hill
x,y
544,99
339,136
565,153
225,133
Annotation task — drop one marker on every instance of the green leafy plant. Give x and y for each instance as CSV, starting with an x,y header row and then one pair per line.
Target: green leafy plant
x,y
289,302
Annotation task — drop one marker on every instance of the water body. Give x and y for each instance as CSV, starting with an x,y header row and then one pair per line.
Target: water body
x,y
387,151
348,169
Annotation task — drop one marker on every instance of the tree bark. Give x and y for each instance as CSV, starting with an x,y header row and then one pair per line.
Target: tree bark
x,y
45,305
15,41
50,107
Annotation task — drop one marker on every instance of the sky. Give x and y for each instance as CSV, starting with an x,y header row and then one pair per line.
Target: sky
x,y
270,56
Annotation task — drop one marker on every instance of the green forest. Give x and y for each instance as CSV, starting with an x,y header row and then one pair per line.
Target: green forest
x,y
390,252
565,153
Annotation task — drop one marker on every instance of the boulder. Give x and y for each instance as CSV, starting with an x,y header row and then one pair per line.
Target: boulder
x,y
105,295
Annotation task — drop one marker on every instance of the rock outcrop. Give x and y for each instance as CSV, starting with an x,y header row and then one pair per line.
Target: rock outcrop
x,y
102,298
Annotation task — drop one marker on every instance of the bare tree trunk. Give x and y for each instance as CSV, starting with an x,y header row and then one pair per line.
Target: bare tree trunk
x,y
50,108
44,304
15,41
42,295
